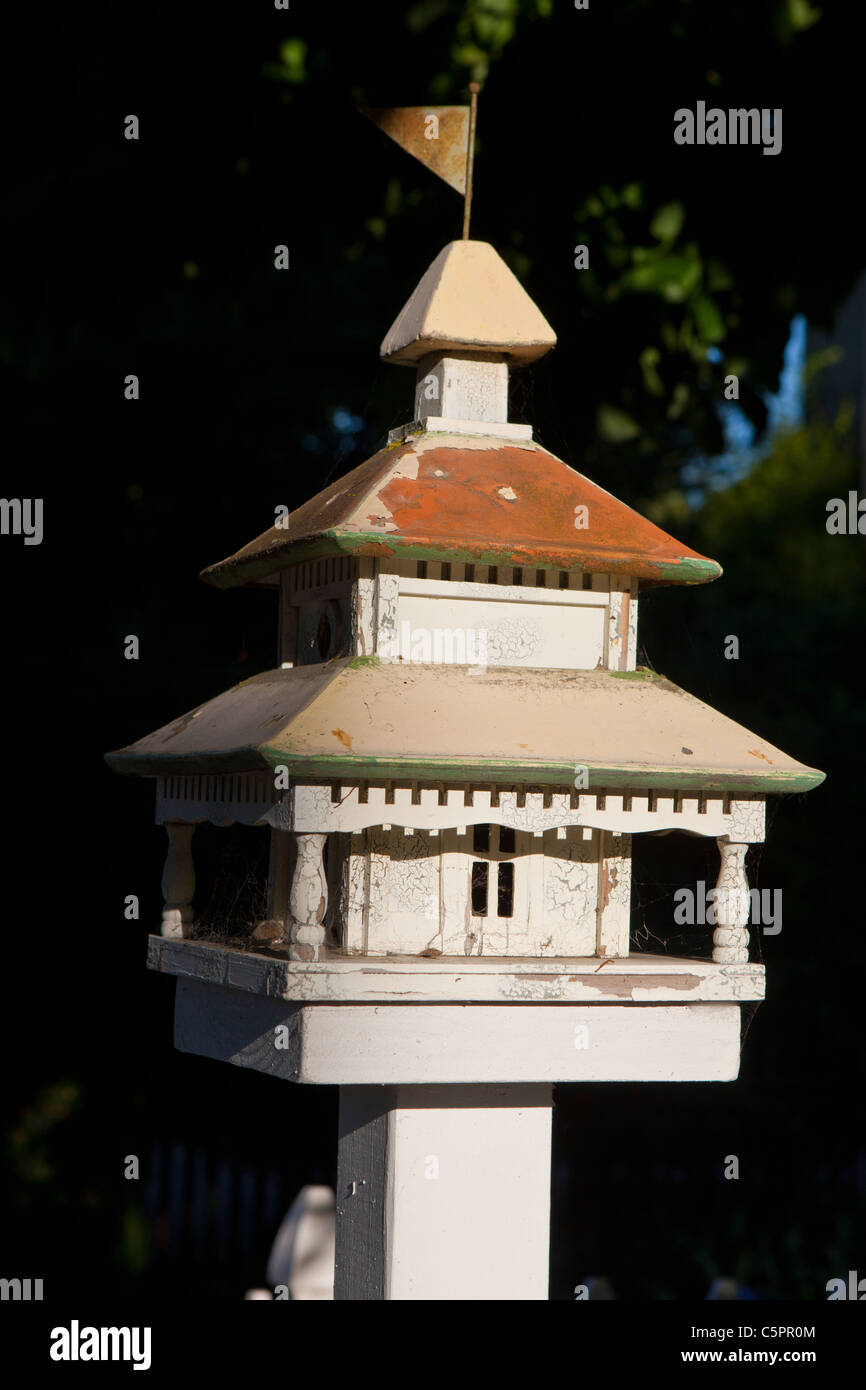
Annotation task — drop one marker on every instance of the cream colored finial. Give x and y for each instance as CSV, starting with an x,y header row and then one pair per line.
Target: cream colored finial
x,y
468,301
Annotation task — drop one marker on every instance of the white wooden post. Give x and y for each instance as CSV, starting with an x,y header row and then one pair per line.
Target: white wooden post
x,y
730,938
614,894
443,1192
308,899
178,880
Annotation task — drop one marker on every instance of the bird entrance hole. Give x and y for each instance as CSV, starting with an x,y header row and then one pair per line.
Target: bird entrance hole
x,y
495,841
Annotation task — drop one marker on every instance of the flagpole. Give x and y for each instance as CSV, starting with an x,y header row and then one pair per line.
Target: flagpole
x,y
474,89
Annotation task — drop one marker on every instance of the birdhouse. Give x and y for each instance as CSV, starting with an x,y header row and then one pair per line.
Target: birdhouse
x,y
450,760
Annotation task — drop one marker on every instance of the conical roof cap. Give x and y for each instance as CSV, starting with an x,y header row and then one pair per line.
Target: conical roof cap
x,y
468,301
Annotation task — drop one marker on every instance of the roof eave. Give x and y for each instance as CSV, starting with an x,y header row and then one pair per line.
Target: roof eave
x,y
349,768
239,570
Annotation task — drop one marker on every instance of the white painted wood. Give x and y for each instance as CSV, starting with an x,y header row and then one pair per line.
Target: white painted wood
x,y
312,808
462,388
363,609
454,888
387,591
478,633
617,625
444,1193
747,821
389,1044
302,1255
631,653
614,894
460,429
403,904
358,1044
641,978
178,880
308,898
732,905
503,591
418,896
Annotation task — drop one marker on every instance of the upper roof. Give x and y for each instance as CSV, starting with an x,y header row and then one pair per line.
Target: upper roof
x,y
468,301
362,718
480,499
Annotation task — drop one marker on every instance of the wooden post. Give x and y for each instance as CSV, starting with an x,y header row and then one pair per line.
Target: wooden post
x,y
730,938
308,899
443,1192
178,879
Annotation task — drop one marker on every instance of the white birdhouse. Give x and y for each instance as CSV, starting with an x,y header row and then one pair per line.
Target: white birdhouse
x,y
451,757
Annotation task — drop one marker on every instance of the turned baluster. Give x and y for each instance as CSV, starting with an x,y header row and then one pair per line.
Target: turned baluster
x,y
308,899
732,905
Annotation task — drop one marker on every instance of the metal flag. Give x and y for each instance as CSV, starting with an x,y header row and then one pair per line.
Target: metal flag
x,y
441,137
436,135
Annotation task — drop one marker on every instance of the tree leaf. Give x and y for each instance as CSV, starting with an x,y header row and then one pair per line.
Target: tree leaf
x,y
667,222
614,425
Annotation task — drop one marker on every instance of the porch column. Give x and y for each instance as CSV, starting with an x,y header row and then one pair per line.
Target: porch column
x,y
308,899
732,907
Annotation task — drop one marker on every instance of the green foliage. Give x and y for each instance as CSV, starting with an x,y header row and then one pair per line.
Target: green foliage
x,y
615,425
292,63
776,516
30,1139
793,17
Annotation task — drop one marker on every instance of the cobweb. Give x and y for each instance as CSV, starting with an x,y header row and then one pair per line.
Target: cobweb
x,y
235,896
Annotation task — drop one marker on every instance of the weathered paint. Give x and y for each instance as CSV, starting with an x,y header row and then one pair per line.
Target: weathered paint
x,y
434,978
445,154
468,301
440,497
504,725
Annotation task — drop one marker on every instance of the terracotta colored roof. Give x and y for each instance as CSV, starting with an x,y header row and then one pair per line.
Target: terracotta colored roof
x,y
363,718
469,498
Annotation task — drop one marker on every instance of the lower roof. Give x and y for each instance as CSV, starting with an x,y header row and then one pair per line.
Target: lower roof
x,y
360,718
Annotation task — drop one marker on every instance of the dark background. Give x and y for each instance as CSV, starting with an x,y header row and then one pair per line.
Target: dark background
x,y
155,257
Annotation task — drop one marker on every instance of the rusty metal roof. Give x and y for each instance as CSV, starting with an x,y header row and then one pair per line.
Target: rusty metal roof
x,y
363,718
474,498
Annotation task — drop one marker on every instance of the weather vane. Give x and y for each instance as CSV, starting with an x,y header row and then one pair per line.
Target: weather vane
x,y
441,137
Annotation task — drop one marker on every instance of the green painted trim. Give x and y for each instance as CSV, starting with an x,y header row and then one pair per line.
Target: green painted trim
x,y
609,777
604,776
231,573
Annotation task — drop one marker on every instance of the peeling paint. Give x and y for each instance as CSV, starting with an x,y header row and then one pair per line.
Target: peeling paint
x,y
437,497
